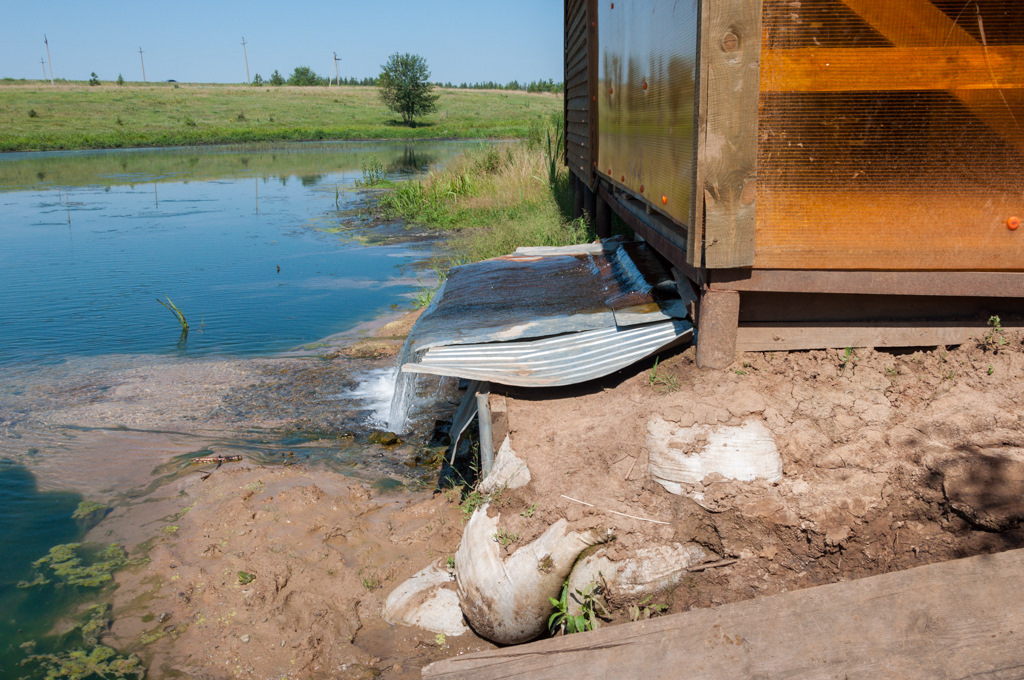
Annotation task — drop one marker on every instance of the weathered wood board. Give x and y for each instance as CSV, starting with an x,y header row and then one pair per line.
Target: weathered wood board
x,y
956,619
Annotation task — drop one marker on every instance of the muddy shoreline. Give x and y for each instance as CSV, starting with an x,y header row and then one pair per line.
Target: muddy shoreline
x,y
890,460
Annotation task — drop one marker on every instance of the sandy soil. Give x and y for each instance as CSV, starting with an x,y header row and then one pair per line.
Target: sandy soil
x,y
890,460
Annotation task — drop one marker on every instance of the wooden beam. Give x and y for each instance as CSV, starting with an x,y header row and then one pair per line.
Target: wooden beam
x,y
944,284
889,230
959,619
893,69
731,49
919,23
773,337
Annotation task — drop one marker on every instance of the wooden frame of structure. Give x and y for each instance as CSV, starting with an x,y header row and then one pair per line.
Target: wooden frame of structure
x,y
840,173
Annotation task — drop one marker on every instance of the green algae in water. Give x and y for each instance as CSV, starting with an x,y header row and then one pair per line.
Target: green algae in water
x,y
35,522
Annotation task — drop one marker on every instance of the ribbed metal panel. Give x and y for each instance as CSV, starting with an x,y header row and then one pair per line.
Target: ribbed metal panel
x,y
578,105
560,360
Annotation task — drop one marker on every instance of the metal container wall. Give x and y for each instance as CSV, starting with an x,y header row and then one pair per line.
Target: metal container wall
x,y
647,118
891,135
579,152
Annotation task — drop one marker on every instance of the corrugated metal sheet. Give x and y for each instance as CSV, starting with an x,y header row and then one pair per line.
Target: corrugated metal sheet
x,y
560,360
538,292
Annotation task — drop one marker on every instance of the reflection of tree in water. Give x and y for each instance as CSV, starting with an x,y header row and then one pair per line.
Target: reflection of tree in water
x,y
310,180
411,160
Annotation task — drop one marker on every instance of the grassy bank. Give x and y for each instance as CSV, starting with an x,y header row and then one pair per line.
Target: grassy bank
x,y
39,117
493,200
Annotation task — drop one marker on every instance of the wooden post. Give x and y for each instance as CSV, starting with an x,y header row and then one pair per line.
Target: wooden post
x,y
731,52
244,54
602,219
718,320
577,195
589,203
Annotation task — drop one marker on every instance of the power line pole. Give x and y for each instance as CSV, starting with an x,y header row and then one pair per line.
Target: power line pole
x,y
49,61
42,62
244,54
143,65
337,71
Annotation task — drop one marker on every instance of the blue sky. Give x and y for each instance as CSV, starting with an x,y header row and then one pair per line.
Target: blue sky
x,y
190,41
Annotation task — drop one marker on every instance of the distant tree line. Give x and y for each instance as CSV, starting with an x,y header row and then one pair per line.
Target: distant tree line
x,y
305,76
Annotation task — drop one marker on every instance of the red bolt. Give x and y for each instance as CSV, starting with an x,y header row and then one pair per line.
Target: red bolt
x,y
664,200
1013,223
641,188
613,5
645,84
622,179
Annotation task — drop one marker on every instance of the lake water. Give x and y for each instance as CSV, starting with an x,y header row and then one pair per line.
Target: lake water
x,y
264,250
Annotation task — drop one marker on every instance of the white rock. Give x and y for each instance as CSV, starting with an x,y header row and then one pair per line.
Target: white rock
x,y
509,471
686,455
429,601
506,600
650,571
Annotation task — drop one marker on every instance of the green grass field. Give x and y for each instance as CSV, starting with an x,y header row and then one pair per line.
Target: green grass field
x,y
36,116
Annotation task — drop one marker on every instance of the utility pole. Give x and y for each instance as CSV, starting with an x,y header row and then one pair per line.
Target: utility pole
x,y
42,62
48,60
337,71
143,65
244,54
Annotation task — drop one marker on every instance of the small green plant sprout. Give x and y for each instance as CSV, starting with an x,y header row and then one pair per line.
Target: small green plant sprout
x,y
991,369
994,337
505,538
245,578
644,609
660,381
449,564
176,312
440,640
590,605
528,512
849,358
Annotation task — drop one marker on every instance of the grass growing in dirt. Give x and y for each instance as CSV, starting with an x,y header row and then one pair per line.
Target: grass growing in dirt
x,y
494,199
38,117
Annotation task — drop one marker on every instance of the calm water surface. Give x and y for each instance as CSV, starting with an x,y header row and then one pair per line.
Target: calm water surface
x,y
258,259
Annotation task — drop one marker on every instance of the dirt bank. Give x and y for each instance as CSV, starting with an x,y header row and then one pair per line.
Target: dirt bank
x,y
890,460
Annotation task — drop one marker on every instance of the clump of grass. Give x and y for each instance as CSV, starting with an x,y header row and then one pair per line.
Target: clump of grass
x,y
495,199
32,113
240,117
374,173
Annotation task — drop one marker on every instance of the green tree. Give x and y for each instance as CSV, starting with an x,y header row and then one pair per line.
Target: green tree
x,y
120,79
405,87
276,78
257,80
304,75
94,79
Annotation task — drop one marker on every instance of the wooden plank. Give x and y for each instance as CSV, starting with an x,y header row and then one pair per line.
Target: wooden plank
x,y
854,229
852,69
974,284
770,337
956,619
731,52
919,23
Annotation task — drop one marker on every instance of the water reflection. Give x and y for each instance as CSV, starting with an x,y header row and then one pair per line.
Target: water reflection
x,y
307,161
91,239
